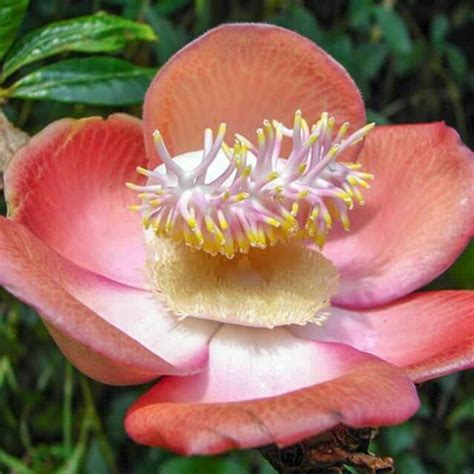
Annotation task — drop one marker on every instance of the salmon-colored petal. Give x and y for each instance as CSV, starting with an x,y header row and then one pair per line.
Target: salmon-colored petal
x,y
418,217
67,185
114,333
241,74
266,386
427,334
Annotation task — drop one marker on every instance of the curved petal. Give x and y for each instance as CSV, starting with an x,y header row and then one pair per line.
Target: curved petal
x,y
113,332
266,386
427,334
67,185
418,217
242,74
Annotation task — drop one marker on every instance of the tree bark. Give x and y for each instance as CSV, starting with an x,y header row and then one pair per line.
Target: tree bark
x,y
329,453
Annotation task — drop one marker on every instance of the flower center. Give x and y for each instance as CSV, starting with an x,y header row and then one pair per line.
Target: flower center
x,y
244,214
258,198
283,284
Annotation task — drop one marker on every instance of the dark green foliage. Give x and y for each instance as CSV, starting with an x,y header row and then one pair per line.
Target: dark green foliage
x,y
413,63
92,80
92,34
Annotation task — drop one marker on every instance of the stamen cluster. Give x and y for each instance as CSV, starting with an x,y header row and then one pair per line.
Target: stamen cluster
x,y
260,198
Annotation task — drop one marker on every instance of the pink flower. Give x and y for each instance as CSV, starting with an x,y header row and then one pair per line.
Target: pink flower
x,y
266,360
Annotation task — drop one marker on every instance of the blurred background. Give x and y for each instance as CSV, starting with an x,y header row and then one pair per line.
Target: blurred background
x,y
413,62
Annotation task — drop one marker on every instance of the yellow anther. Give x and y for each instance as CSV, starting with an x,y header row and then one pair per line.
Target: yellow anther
x,y
331,123
289,223
146,222
304,124
363,183
242,242
343,130
169,226
367,128
191,221
272,221
302,168
252,238
157,137
369,176
320,239
310,227
327,218
359,197
210,226
226,149
226,195
314,214
134,207
297,121
272,176
352,166
229,250
345,197
304,193
222,220
247,171
345,222
279,189
271,236
333,151
294,209
199,237
240,197
351,180
142,171
188,238
132,186
348,190
313,139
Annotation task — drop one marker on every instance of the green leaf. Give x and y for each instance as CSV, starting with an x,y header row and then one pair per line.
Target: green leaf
x,y
172,37
94,33
203,12
457,62
400,438
378,118
371,58
407,64
394,30
359,13
460,274
439,29
167,7
209,465
95,80
463,412
301,20
11,16
410,464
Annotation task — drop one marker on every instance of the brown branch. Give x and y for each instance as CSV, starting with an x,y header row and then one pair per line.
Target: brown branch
x,y
329,453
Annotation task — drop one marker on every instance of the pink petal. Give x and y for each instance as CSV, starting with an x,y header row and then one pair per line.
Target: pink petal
x,y
242,74
67,185
114,333
265,386
427,334
418,218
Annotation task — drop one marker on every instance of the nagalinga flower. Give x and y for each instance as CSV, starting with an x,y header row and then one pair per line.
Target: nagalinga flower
x,y
268,269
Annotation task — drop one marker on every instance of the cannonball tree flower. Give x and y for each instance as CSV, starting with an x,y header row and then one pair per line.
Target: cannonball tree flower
x,y
267,273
